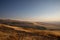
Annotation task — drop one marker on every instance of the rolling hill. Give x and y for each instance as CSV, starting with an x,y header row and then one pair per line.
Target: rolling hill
x,y
23,30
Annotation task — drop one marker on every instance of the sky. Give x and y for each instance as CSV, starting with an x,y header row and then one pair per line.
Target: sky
x,y
30,10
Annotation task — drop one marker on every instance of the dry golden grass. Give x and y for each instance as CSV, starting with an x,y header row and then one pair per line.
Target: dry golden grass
x,y
18,33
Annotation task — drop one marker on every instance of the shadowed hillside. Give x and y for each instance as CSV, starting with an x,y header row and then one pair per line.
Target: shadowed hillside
x,y
26,24
23,24
16,30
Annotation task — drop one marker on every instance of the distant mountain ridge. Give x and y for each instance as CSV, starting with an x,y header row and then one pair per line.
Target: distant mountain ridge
x,y
27,24
23,24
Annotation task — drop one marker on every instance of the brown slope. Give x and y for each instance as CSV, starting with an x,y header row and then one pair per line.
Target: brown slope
x,y
17,33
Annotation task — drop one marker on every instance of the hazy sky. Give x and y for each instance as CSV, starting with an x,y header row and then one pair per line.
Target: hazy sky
x,y
30,10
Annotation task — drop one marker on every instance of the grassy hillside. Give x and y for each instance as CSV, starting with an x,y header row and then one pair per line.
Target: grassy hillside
x,y
11,33
21,30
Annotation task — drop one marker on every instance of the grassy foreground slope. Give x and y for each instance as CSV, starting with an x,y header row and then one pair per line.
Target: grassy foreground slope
x,y
8,32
